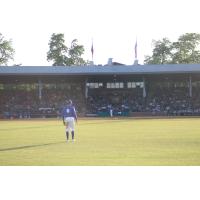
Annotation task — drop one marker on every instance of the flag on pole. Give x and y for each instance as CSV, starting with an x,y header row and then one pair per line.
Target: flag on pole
x,y
136,49
92,50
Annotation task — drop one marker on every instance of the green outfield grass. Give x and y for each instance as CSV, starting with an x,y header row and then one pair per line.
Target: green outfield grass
x,y
101,142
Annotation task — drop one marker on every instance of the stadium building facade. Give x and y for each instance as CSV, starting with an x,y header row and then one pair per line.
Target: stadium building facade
x,y
127,90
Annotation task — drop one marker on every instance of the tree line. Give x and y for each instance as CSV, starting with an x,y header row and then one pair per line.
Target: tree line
x,y
59,54
186,50
183,51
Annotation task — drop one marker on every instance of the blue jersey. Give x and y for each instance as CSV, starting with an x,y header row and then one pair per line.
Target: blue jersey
x,y
69,111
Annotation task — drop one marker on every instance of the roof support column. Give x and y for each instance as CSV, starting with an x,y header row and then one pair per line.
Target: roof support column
x,y
86,88
144,88
40,89
190,85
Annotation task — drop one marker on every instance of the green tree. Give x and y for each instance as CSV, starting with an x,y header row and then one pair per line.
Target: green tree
x,y
6,50
61,55
161,52
186,49
57,50
75,52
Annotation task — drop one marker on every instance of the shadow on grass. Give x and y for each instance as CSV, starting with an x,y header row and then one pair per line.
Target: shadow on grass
x,y
30,146
25,128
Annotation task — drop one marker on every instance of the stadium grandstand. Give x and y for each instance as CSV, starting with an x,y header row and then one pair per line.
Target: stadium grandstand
x,y
127,90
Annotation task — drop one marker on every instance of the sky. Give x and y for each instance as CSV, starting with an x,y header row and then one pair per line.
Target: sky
x,y
113,25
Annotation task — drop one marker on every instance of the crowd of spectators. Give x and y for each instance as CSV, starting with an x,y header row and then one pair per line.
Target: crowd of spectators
x,y
28,104
168,101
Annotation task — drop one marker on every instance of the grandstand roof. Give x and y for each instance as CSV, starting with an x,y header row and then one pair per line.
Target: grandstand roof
x,y
100,70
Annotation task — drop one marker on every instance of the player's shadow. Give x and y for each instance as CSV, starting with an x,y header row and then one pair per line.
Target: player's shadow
x,y
30,146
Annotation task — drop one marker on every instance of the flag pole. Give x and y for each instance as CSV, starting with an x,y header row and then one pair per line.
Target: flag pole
x,y
136,59
136,49
92,51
